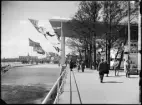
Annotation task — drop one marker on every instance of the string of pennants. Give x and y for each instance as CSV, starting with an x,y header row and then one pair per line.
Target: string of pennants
x,y
54,39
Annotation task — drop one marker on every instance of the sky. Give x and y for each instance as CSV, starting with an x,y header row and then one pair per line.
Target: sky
x,y
16,28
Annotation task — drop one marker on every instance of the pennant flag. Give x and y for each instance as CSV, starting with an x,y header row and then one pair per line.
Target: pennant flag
x,y
58,36
49,34
33,44
43,31
35,24
57,48
40,29
39,50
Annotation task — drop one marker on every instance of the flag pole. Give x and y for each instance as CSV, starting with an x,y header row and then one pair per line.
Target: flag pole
x,y
31,54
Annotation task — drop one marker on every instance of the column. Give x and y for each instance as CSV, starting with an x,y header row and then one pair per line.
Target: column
x,y
62,46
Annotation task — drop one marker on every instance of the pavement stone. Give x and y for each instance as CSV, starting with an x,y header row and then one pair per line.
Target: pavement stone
x,y
114,90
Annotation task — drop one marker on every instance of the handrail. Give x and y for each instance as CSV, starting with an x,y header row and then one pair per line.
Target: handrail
x,y
53,89
59,90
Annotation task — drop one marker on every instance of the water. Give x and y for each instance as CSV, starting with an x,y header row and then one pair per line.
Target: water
x,y
11,63
36,76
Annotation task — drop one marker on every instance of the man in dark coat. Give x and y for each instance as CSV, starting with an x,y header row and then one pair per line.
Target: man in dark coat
x,y
71,65
106,71
102,69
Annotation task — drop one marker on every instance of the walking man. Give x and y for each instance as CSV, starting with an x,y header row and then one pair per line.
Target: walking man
x,y
106,69
71,65
83,65
102,68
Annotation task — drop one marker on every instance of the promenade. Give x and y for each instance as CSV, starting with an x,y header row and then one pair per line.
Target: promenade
x,y
87,89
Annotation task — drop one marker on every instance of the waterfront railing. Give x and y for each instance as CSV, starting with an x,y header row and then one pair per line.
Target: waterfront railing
x,y
53,95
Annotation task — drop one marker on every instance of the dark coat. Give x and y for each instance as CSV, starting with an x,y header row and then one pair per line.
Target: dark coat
x,y
83,64
103,67
71,65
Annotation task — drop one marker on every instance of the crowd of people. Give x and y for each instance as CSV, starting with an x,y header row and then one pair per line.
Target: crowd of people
x,y
102,67
79,64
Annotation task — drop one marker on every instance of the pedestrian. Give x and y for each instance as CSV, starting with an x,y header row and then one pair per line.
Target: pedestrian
x,y
83,65
71,65
74,64
127,68
66,62
106,70
102,68
116,67
96,64
78,65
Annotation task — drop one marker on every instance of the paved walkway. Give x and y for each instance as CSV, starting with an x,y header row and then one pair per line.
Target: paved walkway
x,y
114,90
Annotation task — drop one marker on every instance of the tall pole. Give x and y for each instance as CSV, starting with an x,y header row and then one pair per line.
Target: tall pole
x,y
109,37
106,46
139,38
129,39
62,46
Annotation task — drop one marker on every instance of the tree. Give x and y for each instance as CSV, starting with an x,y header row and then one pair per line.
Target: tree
x,y
86,17
75,45
114,12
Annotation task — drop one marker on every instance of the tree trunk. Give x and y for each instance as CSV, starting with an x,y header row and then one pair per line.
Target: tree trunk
x,y
106,48
117,53
90,56
95,53
87,53
109,47
80,54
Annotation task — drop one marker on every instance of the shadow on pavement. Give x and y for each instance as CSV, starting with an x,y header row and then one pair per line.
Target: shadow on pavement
x,y
116,76
112,82
133,77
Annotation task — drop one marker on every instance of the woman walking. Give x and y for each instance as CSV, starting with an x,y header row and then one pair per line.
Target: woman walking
x,y
127,68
